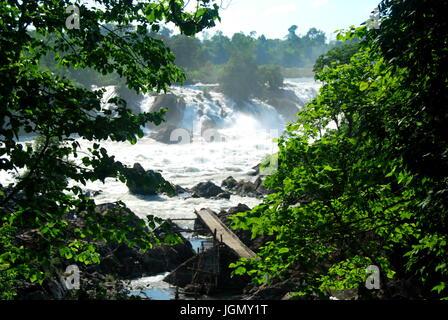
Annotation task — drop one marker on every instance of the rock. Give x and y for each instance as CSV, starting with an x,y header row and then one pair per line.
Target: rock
x,y
117,261
260,188
348,294
132,98
209,130
206,190
229,183
174,104
255,170
245,188
130,263
93,193
170,134
144,182
286,103
202,282
180,190
224,195
239,208
207,124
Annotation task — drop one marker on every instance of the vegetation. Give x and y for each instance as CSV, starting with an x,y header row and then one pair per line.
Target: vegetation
x,y
362,177
35,100
214,59
362,174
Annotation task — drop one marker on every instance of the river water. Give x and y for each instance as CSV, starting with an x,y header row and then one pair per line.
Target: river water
x,y
249,137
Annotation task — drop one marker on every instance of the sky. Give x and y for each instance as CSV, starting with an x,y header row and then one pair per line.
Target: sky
x,y
274,17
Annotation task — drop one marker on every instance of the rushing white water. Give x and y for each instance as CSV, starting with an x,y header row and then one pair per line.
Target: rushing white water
x,y
248,139
247,132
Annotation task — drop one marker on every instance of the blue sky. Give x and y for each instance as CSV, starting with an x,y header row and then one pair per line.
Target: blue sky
x,y
273,17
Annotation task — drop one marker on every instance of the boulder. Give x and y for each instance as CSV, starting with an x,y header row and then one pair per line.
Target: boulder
x,y
224,195
206,190
174,104
144,182
180,190
286,103
128,262
132,98
170,134
245,188
229,183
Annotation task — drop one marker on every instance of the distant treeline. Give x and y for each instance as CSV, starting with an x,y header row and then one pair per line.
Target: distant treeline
x,y
258,62
293,51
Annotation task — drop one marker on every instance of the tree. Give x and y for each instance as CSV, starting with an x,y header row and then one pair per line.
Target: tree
x,y
361,178
314,35
270,76
292,36
188,51
336,56
39,102
239,77
217,49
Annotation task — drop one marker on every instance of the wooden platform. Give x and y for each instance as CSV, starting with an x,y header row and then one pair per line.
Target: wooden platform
x,y
212,222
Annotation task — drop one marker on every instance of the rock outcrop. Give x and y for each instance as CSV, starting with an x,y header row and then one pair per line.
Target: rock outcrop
x,y
286,103
174,104
145,182
209,190
171,134
118,262
245,188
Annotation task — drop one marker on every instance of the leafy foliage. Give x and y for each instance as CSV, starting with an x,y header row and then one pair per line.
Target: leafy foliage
x,y
361,177
239,77
337,55
37,101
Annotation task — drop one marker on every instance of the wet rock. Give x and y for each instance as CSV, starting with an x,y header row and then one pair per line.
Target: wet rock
x,y
144,182
260,188
174,104
255,171
206,190
224,215
286,103
170,134
229,183
132,98
224,195
245,188
129,262
93,193
180,190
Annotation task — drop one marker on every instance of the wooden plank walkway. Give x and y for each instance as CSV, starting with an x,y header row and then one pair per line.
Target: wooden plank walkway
x,y
212,222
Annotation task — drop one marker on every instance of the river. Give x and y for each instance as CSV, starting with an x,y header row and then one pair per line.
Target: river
x,y
249,137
